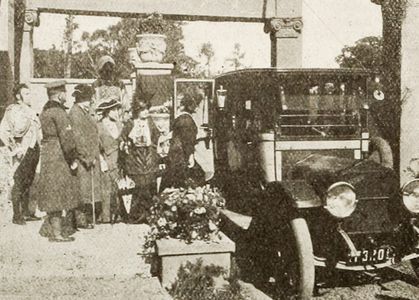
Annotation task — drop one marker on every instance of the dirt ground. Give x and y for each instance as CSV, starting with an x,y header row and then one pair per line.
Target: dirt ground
x,y
103,263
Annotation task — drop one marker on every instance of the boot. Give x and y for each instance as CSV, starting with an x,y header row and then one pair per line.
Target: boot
x,y
56,231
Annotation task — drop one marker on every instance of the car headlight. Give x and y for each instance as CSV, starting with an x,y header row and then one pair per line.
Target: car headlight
x,y
410,193
341,199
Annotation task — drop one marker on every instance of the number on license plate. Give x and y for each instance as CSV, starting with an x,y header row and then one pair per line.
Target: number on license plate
x,y
367,256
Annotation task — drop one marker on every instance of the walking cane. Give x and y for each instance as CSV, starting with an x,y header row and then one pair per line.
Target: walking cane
x,y
93,198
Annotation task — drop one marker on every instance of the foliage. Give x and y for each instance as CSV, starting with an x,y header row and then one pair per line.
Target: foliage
x,y
49,63
187,214
154,24
196,281
115,41
237,57
207,52
366,53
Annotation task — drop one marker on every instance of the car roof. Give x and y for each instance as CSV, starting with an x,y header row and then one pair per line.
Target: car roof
x,y
302,71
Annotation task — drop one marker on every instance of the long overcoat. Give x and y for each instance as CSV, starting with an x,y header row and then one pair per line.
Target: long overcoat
x,y
87,145
182,145
58,187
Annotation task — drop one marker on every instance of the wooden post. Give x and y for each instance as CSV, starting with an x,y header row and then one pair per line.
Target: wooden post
x,y
285,30
6,53
409,145
26,56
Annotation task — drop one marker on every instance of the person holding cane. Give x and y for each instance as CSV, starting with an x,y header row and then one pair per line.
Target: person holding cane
x,y
87,146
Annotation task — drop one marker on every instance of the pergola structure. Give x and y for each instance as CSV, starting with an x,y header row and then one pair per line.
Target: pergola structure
x,y
283,22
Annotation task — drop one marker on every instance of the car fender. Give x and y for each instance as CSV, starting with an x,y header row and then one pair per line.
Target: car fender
x,y
295,193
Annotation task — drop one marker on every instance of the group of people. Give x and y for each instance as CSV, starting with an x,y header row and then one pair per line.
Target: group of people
x,y
83,155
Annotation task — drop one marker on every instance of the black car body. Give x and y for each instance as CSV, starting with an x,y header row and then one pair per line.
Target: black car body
x,y
300,149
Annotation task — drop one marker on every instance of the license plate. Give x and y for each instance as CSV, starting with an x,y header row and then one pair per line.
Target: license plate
x,y
371,256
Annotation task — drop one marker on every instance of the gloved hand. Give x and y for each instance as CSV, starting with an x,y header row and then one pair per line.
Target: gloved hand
x,y
74,166
191,161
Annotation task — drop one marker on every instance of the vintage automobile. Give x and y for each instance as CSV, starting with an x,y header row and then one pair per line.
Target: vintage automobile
x,y
297,152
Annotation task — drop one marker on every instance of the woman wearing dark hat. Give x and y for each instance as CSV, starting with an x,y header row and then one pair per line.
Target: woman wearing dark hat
x,y
87,146
110,129
108,86
139,159
181,168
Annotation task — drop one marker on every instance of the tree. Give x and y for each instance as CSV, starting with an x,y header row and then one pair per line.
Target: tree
x,y
70,27
115,41
207,52
48,63
367,53
237,57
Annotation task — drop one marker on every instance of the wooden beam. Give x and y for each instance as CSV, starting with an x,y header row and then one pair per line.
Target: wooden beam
x,y
196,10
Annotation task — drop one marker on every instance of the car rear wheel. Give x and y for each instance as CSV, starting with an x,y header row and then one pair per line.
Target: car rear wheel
x,y
296,277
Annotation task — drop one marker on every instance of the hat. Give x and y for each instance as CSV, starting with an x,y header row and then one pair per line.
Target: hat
x,y
82,92
108,105
56,85
103,60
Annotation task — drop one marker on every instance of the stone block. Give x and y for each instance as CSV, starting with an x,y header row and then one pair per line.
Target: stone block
x,y
172,253
154,68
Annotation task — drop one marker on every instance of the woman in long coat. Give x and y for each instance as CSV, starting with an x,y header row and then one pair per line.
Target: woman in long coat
x,y
139,159
87,146
181,167
110,129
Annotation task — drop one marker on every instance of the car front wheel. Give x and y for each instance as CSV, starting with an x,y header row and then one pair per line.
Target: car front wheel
x,y
415,266
296,277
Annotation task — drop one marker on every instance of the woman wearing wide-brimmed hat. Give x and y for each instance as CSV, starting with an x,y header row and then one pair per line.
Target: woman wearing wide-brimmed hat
x,y
139,159
108,85
110,128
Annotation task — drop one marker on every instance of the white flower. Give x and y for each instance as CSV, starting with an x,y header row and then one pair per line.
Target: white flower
x,y
190,197
174,208
212,226
194,234
162,222
200,210
169,201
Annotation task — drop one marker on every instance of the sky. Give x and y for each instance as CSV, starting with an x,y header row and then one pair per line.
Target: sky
x,y
329,25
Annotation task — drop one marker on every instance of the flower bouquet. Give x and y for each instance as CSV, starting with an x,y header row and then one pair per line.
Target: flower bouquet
x,y
186,214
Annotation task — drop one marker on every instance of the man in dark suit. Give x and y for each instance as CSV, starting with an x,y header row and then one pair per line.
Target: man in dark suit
x,y
57,189
87,146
